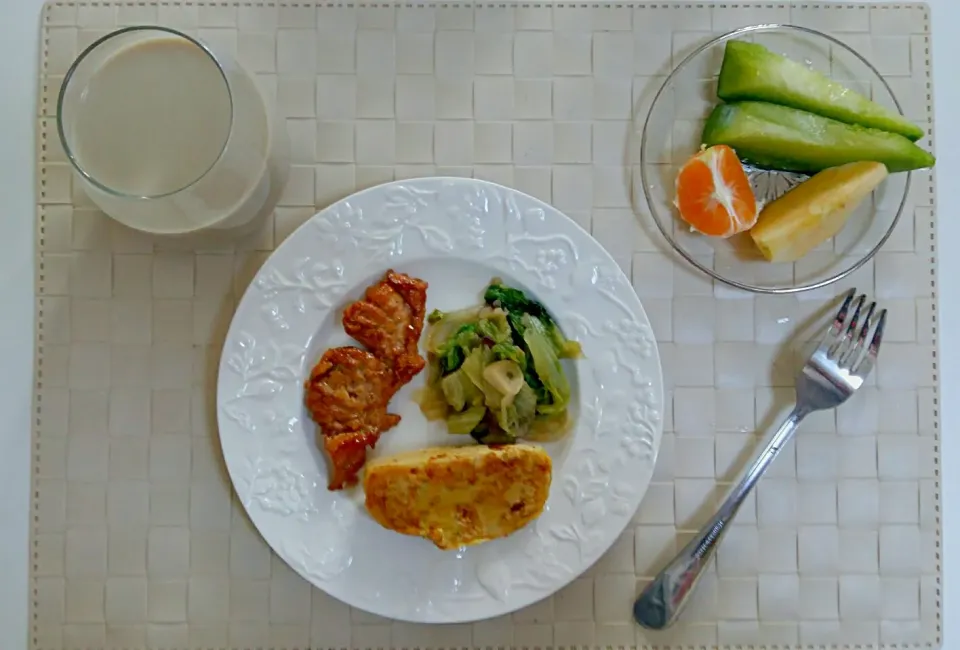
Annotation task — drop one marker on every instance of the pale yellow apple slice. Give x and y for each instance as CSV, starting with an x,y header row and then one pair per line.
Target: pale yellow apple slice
x,y
814,211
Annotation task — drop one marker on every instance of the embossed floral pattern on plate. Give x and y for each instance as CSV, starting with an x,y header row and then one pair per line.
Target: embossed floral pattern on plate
x,y
456,234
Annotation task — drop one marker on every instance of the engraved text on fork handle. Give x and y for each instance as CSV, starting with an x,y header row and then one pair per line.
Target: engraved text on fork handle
x,y
663,599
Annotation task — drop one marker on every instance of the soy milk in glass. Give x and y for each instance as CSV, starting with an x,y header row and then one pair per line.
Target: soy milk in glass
x,y
168,136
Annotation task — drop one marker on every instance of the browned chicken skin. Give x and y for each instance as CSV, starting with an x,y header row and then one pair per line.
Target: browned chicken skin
x,y
348,453
389,321
347,395
349,388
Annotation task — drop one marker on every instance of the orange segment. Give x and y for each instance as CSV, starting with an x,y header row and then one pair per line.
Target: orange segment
x,y
714,195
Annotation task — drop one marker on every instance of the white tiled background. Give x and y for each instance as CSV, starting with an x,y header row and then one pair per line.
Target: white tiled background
x,y
136,539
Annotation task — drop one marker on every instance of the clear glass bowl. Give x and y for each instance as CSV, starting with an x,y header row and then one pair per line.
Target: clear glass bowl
x,y
671,134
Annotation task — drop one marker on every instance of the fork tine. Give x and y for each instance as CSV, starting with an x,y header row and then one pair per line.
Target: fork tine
x,y
836,327
843,344
870,358
850,358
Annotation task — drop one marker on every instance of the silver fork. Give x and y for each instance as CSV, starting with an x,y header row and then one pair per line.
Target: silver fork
x,y
835,370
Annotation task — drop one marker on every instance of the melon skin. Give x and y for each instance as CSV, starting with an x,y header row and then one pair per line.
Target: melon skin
x,y
787,139
752,72
814,211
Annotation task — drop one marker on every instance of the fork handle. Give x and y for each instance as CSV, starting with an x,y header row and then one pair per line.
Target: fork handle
x,y
659,605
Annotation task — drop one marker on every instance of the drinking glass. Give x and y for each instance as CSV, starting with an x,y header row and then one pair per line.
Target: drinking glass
x,y
169,136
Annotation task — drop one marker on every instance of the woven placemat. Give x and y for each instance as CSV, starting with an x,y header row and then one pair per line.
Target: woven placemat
x,y
137,541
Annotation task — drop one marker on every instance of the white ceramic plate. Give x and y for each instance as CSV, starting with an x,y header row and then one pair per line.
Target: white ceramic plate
x,y
456,234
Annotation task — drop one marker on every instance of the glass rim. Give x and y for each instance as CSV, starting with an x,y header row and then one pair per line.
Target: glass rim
x,y
794,288
68,150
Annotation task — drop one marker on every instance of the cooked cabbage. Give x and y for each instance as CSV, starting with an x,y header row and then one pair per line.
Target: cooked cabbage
x,y
465,422
546,363
459,391
495,370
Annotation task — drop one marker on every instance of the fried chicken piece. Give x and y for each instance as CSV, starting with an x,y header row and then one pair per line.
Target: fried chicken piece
x,y
348,390
347,395
388,320
348,453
